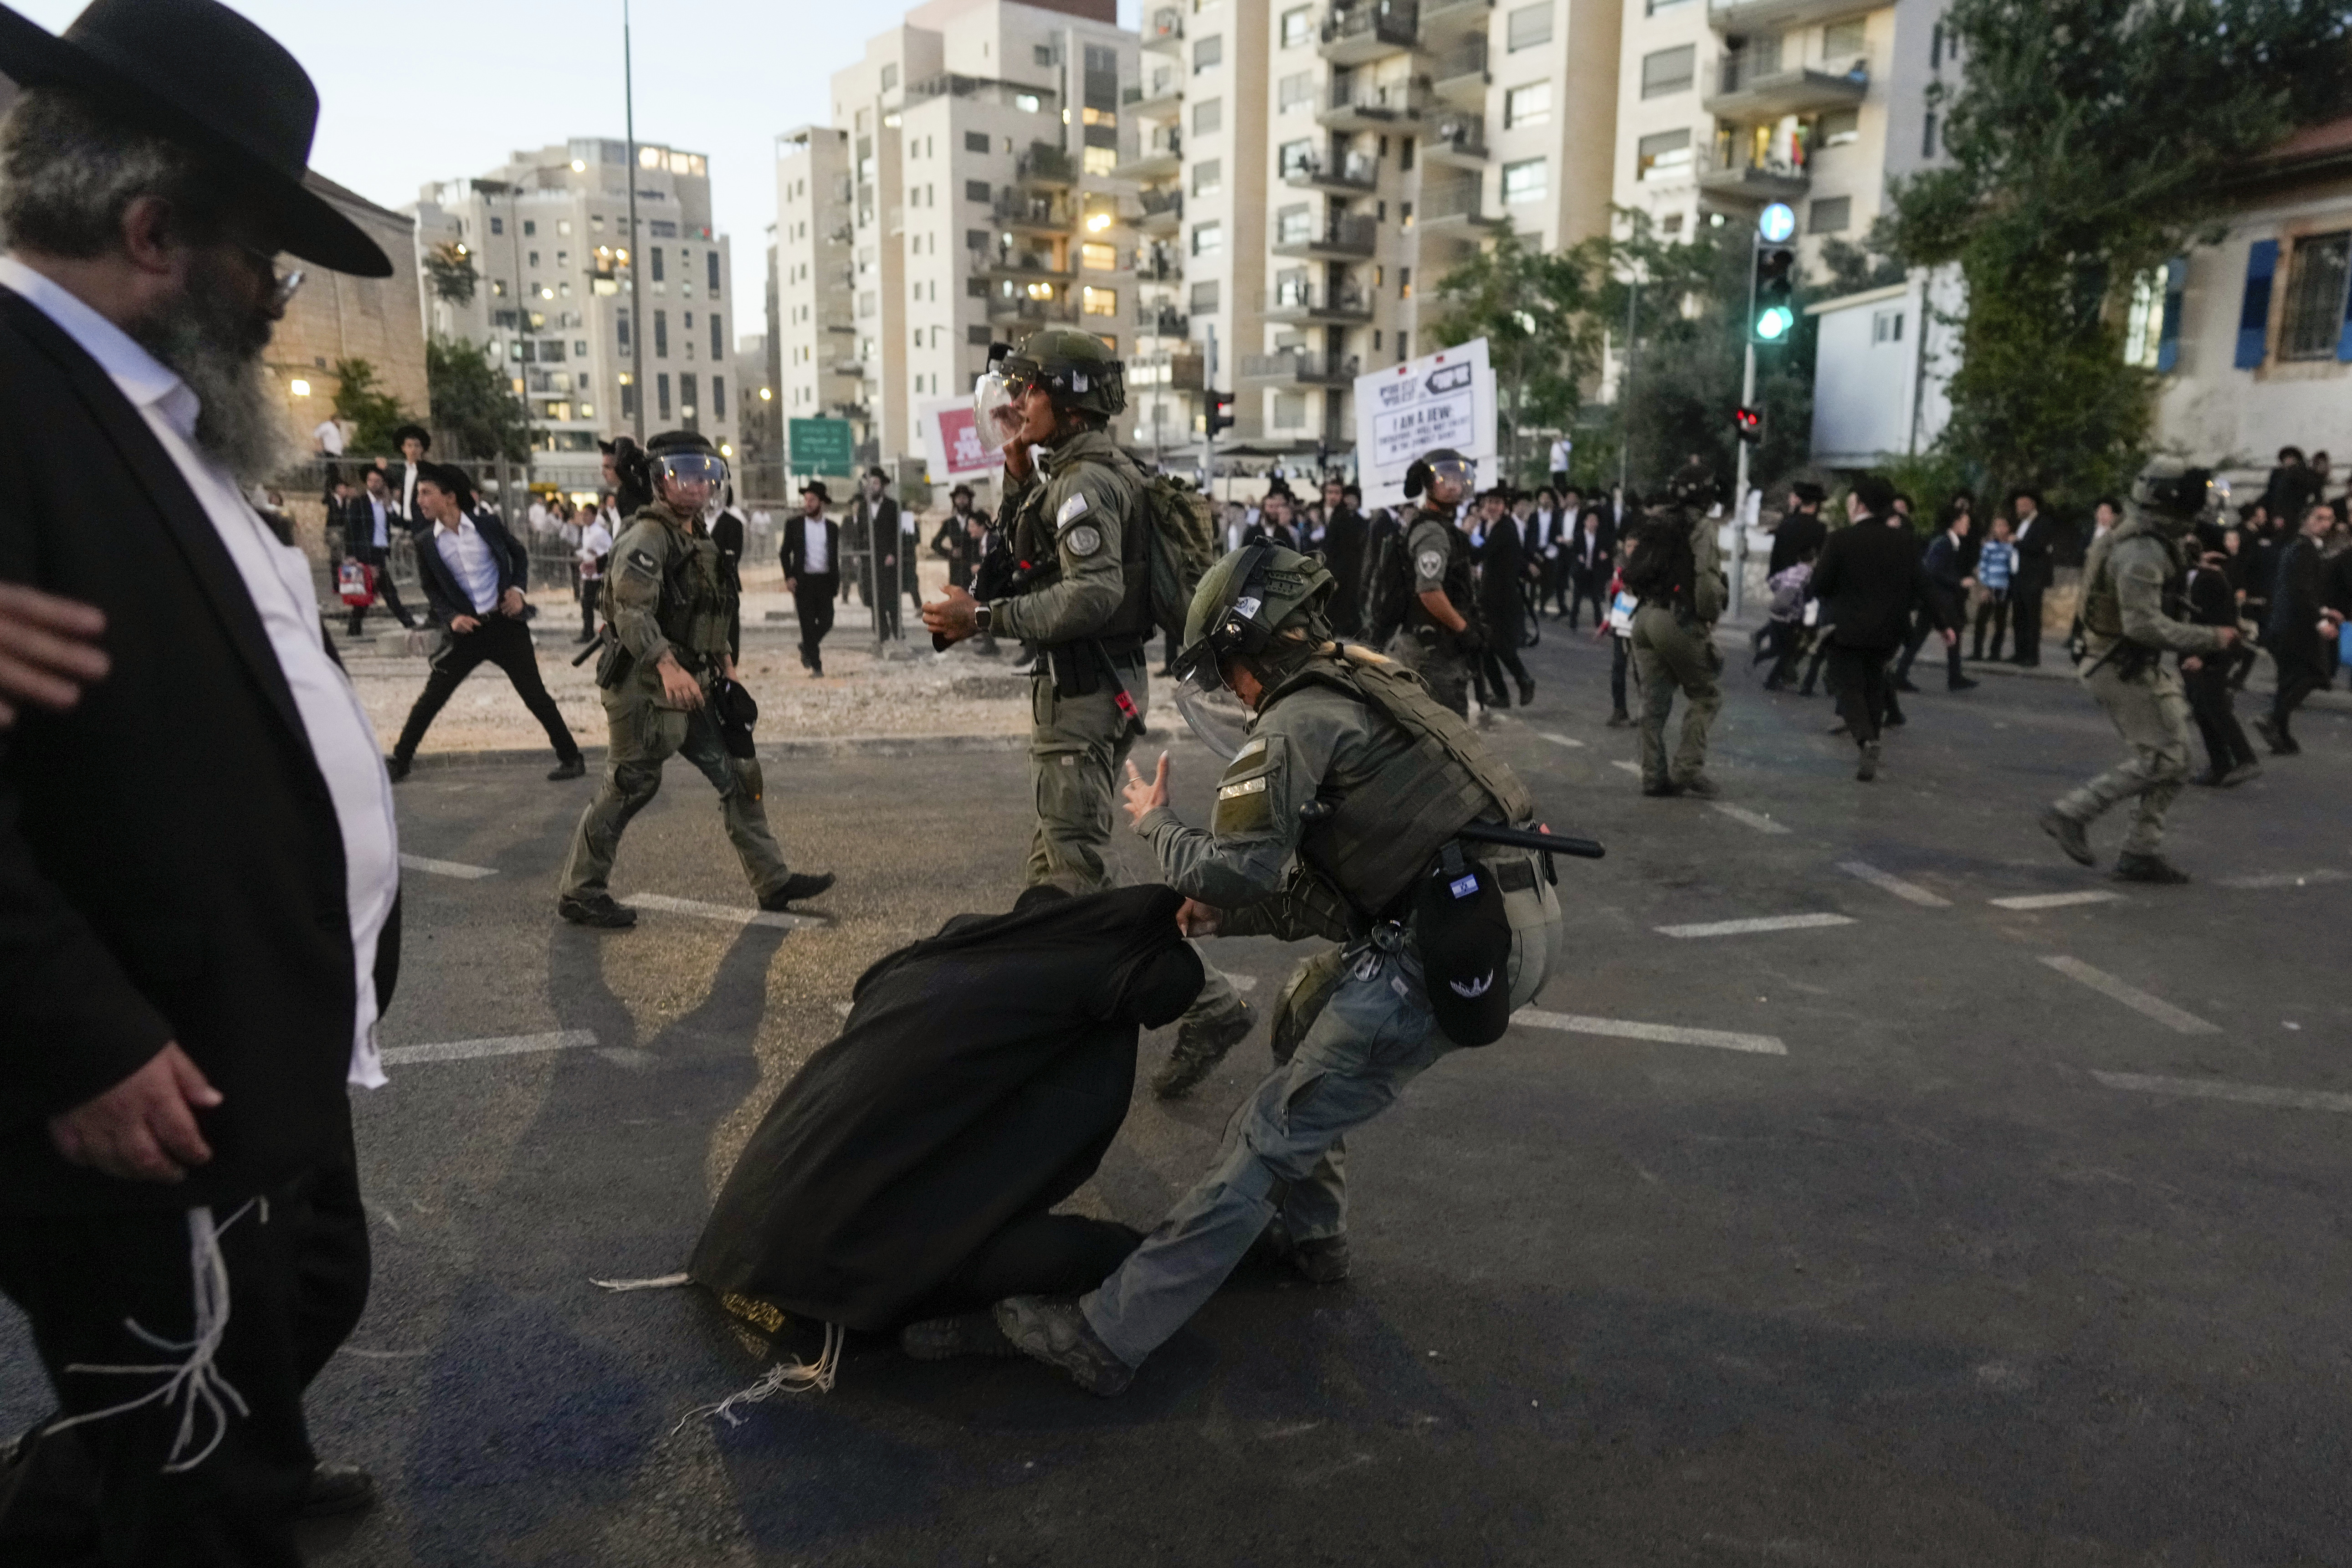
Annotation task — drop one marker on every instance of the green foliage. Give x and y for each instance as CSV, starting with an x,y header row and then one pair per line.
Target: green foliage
x,y
2090,141
1537,311
473,400
373,413
450,270
1873,264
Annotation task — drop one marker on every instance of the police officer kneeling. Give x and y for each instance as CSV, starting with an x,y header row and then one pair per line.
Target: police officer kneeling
x,y
670,600
2131,581
1339,818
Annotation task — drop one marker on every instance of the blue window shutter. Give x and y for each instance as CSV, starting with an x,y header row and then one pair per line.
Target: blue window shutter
x,y
2254,314
2168,345
2344,334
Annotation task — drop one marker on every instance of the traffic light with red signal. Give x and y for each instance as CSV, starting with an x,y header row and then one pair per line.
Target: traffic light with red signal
x,y
1221,412
1748,422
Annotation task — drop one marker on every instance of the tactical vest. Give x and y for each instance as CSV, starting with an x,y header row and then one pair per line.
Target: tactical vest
x,y
1410,798
699,596
1035,538
1459,573
2103,613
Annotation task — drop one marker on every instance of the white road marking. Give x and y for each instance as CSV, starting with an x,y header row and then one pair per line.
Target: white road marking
x,y
1241,982
1629,767
2131,996
501,1046
2054,901
2283,879
1559,740
729,914
1665,1034
1755,819
445,868
1910,892
2244,1093
1763,922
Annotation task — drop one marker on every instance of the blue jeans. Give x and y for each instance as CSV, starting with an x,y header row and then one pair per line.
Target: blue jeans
x,y
1283,1152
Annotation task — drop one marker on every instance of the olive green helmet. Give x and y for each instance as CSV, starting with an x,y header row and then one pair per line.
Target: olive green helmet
x,y
1242,601
1074,367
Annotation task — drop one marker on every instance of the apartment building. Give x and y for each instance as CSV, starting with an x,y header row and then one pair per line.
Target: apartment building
x,y
1725,105
962,194
546,238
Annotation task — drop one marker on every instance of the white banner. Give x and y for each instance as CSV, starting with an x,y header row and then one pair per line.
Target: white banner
x,y
1444,399
952,448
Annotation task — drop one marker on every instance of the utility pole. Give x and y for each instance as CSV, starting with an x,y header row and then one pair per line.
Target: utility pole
x,y
1209,381
1739,486
513,192
637,318
1626,393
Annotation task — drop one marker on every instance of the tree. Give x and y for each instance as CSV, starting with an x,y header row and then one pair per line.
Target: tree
x,y
449,267
473,400
2092,140
1537,312
373,413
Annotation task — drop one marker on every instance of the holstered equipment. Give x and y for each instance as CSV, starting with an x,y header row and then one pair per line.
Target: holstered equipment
x,y
1464,937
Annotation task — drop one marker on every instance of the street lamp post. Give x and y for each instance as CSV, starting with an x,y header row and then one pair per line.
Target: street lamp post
x,y
513,190
636,317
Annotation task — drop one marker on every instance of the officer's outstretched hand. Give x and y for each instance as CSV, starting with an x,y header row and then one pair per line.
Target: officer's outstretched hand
x,y
952,619
1144,798
1197,919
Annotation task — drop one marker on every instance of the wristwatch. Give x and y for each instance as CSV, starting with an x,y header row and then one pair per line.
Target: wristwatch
x,y
981,618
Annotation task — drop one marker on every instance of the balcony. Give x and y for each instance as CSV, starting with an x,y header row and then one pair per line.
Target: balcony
x,y
1162,211
1020,309
1300,368
1752,90
1163,100
1457,211
1034,211
1456,138
1745,17
853,368
1046,166
1156,157
1302,303
1356,176
1159,264
1347,237
1019,266
1357,105
1730,176
1164,29
1368,30
1460,77
1443,20
1161,322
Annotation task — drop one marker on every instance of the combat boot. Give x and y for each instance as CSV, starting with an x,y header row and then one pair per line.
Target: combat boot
x,y
595,910
1058,1335
1699,784
799,885
1322,1261
2152,868
2070,836
1867,769
1200,1047
965,1334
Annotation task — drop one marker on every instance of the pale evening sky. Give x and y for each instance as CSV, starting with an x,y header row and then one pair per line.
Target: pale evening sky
x,y
431,89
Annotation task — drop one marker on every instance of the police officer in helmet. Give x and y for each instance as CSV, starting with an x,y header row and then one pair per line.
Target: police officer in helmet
x,y
1677,574
2130,584
1339,816
670,600
1073,513
1441,634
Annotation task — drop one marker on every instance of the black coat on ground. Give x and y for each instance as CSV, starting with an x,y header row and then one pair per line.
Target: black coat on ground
x,y
981,1076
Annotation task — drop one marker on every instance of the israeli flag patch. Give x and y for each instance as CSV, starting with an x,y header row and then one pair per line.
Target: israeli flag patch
x,y
1464,886
1074,507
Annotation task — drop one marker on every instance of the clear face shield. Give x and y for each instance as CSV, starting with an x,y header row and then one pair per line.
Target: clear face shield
x,y
1452,471
996,408
1217,718
689,480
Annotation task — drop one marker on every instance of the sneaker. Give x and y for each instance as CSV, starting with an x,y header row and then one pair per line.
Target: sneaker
x,y
1198,1048
1962,684
799,885
1058,1335
2153,868
1700,785
398,766
1661,790
572,768
596,910
2241,773
2070,836
966,1333
1867,769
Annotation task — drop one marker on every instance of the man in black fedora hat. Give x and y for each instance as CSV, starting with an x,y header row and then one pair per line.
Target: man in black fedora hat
x,y
812,559
414,441
198,858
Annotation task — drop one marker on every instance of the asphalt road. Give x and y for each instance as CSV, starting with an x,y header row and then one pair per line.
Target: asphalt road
x,y
1965,1233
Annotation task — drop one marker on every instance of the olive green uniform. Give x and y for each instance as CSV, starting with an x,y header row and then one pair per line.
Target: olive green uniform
x,y
1439,558
669,591
1673,650
1402,775
2125,629
1081,509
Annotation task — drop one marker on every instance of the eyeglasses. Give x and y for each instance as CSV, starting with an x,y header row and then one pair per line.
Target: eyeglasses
x,y
283,286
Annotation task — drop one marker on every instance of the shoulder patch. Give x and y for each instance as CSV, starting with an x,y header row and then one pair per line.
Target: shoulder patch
x,y
1083,540
1075,507
1430,563
643,559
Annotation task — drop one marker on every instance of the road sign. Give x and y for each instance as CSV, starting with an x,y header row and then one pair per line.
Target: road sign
x,y
821,447
1445,399
952,448
1776,223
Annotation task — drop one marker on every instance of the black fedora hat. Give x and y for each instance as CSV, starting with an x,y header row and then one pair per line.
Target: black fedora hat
x,y
197,72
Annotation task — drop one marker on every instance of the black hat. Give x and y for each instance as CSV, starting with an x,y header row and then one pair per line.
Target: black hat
x,y
419,431
958,490
195,72
816,488
1809,493
877,474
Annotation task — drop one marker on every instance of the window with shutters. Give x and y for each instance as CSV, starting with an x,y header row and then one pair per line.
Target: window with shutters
x,y
1208,239
2312,322
1528,105
1525,181
1208,54
1297,27
1093,301
661,336
1208,117
1830,215
975,191
1289,410
1208,176
1839,128
661,394
1844,42
717,339
975,141
1205,295
1529,26
1669,70
1096,257
1293,225
1664,156
1295,157
713,260
2143,322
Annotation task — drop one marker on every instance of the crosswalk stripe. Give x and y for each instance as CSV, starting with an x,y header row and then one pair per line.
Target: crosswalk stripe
x,y
2283,879
2055,900
444,867
1760,924
2131,996
1559,740
1627,767
727,914
1665,1034
1755,819
1910,892
2244,1093
500,1045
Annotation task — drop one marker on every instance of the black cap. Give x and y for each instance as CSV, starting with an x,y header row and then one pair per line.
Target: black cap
x,y
1464,936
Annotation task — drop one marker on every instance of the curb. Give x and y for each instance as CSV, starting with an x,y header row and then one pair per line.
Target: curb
x,y
538,755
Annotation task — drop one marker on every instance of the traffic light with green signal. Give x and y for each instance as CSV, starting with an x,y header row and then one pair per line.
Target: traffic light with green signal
x,y
1221,412
1774,310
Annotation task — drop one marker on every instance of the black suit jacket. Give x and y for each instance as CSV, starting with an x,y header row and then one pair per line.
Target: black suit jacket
x,y
1868,578
171,866
795,550
727,533
444,599
1800,533
2034,563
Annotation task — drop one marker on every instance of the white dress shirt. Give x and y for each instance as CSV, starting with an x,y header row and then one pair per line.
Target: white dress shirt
x,y
595,544
330,436
815,560
382,511
276,578
468,555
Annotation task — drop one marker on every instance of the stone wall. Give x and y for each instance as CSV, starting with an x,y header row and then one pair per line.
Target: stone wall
x,y
335,317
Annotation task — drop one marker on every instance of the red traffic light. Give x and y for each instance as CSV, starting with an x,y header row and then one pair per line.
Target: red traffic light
x,y
1749,423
